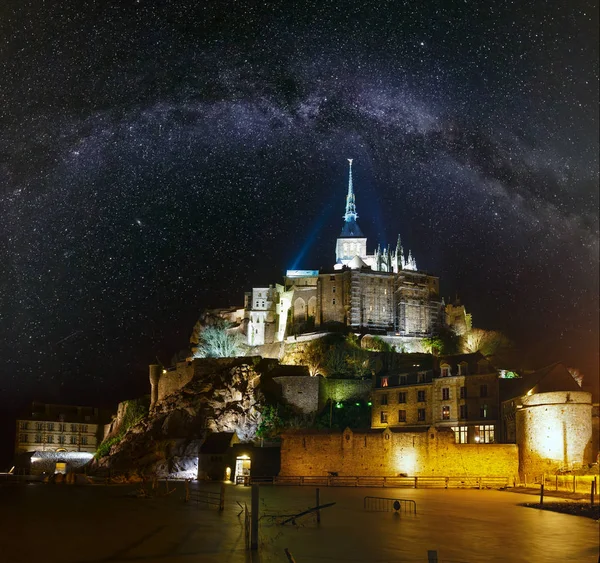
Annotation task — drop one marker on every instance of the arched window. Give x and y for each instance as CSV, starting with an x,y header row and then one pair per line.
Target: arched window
x,y
300,310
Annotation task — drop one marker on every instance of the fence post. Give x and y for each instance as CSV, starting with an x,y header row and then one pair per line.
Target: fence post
x,y
479,483
416,481
319,504
557,482
574,484
593,487
447,481
542,494
254,519
525,479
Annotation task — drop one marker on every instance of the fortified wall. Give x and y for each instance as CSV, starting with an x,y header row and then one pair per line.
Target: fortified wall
x,y
431,452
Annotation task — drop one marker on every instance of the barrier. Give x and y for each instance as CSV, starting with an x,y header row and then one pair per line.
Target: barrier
x,y
384,504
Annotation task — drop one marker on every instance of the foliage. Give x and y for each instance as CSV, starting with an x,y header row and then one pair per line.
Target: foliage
x,y
218,341
377,344
135,410
352,414
488,342
277,418
444,343
335,355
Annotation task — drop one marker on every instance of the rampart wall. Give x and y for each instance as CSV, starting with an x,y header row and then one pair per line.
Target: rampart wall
x,y
385,453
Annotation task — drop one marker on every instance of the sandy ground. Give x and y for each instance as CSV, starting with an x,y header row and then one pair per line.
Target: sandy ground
x,y
107,524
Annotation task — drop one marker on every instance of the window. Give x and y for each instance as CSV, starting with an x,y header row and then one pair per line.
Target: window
x,y
331,278
62,427
402,397
83,427
84,440
51,426
24,438
384,381
73,427
61,439
384,399
463,411
483,390
484,433
24,425
445,412
38,438
460,434
420,378
401,416
446,371
463,368
333,289
483,411
403,380
421,415
463,392
333,301
49,439
384,417
421,396
39,426
445,393
73,439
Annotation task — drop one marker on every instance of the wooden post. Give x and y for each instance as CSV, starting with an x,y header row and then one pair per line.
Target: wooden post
x,y
222,497
479,483
525,480
574,484
319,504
542,494
416,482
557,482
254,519
447,481
593,487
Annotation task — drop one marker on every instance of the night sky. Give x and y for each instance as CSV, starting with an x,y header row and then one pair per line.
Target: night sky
x,y
157,158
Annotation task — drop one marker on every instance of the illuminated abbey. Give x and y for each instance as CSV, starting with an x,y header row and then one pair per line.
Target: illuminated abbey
x,y
383,293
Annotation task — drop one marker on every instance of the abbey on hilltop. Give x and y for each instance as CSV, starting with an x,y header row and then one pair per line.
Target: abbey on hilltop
x,y
383,293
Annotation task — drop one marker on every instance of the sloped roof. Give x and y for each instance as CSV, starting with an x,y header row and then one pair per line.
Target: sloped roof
x,y
217,443
555,377
351,230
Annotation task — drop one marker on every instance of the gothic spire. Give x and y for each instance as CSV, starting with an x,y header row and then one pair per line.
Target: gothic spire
x,y
350,214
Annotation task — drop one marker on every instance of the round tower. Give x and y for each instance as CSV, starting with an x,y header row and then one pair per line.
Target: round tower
x,y
554,431
155,372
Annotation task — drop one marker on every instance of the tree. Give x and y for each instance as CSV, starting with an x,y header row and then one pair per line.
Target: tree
x,y
488,342
219,341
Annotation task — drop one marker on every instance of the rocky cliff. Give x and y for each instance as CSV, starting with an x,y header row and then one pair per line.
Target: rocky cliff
x,y
167,442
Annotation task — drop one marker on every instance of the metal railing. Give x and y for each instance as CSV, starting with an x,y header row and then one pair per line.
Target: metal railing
x,y
562,483
210,498
415,482
383,504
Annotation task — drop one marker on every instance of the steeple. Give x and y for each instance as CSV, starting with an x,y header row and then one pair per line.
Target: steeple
x,y
350,228
350,214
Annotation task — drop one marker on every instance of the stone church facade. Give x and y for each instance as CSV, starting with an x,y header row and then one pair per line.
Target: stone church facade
x,y
384,293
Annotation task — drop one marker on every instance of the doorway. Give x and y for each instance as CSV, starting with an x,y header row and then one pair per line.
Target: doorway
x,y
242,470
61,467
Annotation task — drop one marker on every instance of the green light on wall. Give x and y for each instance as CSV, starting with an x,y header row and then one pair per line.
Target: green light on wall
x,y
369,403
358,404
338,405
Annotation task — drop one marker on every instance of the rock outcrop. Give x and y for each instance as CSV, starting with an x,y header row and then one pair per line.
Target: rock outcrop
x,y
168,441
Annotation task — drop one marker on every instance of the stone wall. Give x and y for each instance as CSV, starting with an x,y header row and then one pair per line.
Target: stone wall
x,y
431,452
554,431
302,393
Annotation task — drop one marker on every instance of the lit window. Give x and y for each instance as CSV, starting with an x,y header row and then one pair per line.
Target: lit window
x,y
460,434
421,396
463,411
384,417
483,411
445,393
445,412
401,416
384,381
402,397
384,399
421,415
484,433
483,390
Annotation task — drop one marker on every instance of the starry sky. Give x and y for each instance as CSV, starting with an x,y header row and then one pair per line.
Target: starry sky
x,y
158,158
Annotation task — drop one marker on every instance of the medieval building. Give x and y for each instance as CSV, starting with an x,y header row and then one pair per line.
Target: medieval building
x,y
384,293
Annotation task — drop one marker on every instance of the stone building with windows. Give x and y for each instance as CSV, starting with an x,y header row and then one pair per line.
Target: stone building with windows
x,y
457,392
383,293
57,438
